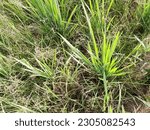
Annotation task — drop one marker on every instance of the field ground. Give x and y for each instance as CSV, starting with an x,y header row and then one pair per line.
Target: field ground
x,y
75,56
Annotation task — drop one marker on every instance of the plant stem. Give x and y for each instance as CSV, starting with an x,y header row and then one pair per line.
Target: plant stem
x,y
106,97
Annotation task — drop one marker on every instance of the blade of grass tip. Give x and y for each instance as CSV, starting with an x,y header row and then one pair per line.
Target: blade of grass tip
x,y
34,11
57,13
36,5
30,68
90,52
144,102
103,16
131,53
42,8
113,63
110,109
45,69
141,42
110,5
48,8
82,64
98,10
114,44
91,31
93,59
109,24
25,63
76,52
48,90
70,17
123,109
91,7
44,66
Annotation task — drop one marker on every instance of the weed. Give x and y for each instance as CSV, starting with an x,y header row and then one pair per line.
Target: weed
x,y
49,13
102,59
45,71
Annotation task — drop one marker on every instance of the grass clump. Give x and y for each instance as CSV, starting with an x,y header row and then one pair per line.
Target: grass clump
x,y
52,14
45,71
102,59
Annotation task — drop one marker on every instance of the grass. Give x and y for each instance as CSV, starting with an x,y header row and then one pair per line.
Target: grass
x,y
101,58
74,56
53,15
45,71
145,16
5,66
